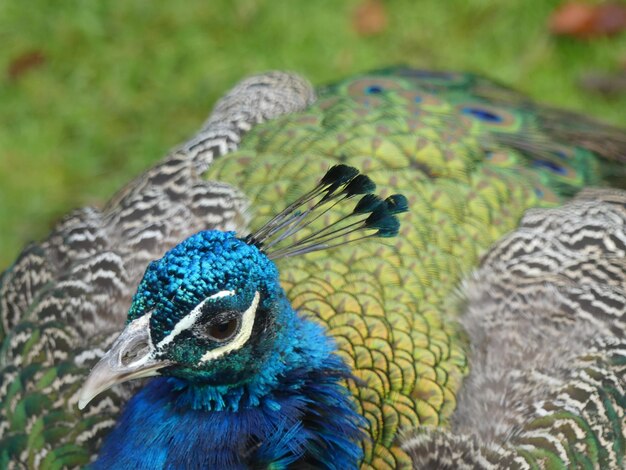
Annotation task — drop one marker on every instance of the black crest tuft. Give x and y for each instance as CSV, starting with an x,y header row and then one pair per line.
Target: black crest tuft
x,y
371,215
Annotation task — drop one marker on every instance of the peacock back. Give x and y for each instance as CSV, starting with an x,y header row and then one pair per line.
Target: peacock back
x,y
471,156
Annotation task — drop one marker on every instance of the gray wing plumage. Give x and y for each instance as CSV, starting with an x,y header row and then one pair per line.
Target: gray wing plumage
x,y
65,299
545,317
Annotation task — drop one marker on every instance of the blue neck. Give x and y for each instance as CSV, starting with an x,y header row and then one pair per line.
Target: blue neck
x,y
296,411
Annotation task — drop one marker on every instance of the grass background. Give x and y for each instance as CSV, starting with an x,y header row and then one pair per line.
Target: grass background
x,y
123,81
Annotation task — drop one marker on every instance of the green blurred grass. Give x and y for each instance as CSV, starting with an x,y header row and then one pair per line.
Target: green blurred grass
x,y
124,81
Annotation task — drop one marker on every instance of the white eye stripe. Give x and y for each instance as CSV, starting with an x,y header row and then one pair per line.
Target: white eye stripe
x,y
247,322
190,319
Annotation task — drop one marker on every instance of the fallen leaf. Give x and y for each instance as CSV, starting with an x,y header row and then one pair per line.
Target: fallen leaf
x,y
583,20
24,63
370,18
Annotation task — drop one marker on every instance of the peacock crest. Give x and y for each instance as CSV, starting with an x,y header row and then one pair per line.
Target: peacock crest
x,y
371,216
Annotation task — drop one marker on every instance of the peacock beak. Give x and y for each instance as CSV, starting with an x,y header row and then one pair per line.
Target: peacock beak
x,y
131,357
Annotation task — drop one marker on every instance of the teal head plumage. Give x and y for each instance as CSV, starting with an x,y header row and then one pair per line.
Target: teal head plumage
x,y
204,298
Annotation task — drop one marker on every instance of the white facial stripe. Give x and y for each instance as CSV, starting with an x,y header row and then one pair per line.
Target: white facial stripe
x,y
190,319
247,322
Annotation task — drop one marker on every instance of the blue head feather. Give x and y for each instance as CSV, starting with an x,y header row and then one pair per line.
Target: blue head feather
x,y
203,265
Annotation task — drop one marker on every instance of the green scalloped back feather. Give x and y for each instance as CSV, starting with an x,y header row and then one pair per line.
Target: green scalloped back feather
x,y
390,304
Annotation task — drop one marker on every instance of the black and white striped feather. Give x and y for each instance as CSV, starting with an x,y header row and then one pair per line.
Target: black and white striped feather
x,y
66,298
545,316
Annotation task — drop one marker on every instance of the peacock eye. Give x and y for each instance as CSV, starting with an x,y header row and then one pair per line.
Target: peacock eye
x,y
223,331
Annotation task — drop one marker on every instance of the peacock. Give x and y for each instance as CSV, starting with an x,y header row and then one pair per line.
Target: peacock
x,y
398,270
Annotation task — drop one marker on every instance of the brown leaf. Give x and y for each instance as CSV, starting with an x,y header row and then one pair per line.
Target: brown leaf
x,y
583,20
25,62
370,18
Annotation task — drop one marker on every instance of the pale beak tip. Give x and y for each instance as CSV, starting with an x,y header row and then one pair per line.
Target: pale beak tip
x,y
83,402
85,398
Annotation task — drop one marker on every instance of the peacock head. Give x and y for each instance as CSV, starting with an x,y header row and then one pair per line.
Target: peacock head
x,y
212,308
